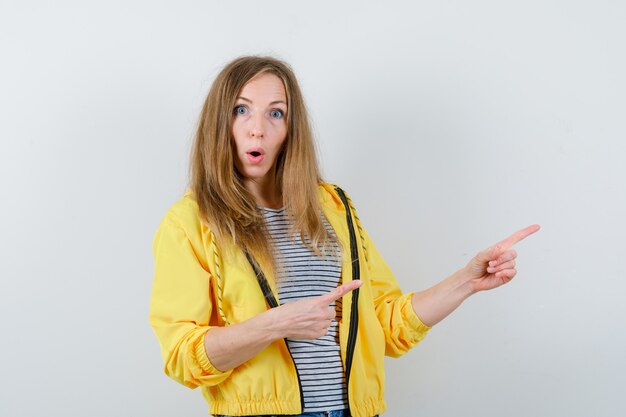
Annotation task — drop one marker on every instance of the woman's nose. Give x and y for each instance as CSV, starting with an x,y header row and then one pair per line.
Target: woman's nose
x,y
257,129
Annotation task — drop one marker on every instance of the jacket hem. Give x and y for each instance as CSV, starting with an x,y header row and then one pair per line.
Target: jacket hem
x,y
364,409
249,408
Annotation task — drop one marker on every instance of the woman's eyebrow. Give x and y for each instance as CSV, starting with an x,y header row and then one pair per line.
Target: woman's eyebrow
x,y
273,102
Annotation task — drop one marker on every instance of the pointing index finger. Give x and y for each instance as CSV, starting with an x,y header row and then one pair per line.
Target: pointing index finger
x,y
517,236
340,291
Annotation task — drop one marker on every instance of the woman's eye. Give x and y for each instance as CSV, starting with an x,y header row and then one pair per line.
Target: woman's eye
x,y
277,114
239,110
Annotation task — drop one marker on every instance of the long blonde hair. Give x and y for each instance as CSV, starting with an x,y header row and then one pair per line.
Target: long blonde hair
x,y
226,206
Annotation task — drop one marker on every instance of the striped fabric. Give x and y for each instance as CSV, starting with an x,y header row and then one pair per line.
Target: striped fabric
x,y
302,274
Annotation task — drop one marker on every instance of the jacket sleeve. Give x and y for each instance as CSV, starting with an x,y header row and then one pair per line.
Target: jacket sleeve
x,y
403,329
180,308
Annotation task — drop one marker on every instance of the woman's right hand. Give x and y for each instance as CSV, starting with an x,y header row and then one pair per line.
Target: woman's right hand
x,y
230,346
309,318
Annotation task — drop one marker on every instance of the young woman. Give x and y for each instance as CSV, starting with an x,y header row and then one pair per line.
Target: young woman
x,y
268,294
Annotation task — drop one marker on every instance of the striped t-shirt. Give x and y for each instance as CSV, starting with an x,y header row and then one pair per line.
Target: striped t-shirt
x,y
303,274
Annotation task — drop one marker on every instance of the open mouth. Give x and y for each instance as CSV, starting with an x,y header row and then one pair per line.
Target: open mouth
x,y
255,152
256,155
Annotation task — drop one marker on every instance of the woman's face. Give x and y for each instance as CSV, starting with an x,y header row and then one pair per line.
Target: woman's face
x,y
260,126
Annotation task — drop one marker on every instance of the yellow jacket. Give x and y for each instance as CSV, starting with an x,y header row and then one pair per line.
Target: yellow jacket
x,y
199,285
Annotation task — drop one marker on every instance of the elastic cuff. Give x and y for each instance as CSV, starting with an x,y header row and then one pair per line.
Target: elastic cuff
x,y
418,327
203,359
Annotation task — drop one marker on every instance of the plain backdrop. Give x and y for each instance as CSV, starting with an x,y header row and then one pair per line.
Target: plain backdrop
x,y
451,124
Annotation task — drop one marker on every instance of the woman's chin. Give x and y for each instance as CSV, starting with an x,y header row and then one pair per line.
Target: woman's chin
x,y
257,174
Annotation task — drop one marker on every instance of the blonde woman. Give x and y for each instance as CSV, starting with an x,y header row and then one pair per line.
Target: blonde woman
x,y
268,294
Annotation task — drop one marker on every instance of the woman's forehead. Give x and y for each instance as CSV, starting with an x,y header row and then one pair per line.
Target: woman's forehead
x,y
264,87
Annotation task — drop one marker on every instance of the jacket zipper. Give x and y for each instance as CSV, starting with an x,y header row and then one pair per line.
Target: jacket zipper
x,y
299,381
271,300
354,310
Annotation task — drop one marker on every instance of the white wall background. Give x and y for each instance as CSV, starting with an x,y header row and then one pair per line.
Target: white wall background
x,y
450,123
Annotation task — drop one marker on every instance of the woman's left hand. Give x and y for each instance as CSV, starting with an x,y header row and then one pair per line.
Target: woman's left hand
x,y
496,265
